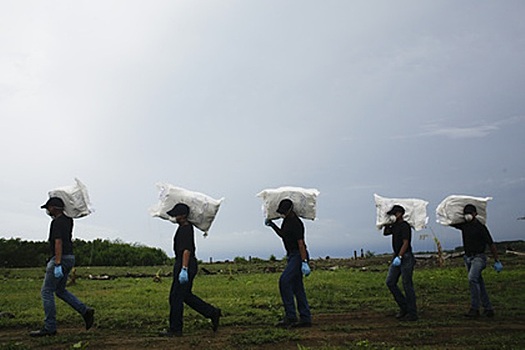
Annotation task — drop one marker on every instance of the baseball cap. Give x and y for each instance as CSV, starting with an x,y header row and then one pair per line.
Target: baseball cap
x,y
53,202
179,209
284,206
396,209
469,209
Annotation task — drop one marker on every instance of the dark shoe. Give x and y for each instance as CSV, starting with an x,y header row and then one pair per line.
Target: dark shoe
x,y
285,323
401,314
89,317
472,313
215,320
170,334
42,333
488,313
302,324
409,318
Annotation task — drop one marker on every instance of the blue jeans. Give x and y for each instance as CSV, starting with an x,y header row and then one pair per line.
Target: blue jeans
x,y
181,293
478,294
291,285
407,302
52,286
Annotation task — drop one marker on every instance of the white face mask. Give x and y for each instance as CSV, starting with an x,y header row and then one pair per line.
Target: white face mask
x,y
48,212
392,218
469,217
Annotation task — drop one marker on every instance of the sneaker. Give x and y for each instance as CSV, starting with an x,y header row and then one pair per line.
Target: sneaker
x,y
472,313
302,324
89,317
285,323
401,314
215,320
42,333
488,313
170,334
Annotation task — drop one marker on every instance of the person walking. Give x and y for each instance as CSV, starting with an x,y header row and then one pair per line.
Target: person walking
x,y
476,237
58,269
402,264
291,280
184,272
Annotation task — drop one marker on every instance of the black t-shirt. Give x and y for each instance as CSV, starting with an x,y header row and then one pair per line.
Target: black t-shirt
x,y
400,231
292,230
61,228
476,237
184,240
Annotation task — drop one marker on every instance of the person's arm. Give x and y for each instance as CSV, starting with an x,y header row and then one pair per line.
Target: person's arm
x,y
58,251
275,228
387,230
494,251
302,249
404,248
186,258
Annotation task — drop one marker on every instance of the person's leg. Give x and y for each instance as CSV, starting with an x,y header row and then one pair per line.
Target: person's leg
x,y
475,267
300,294
178,293
48,297
67,264
286,289
394,272
484,296
407,270
193,301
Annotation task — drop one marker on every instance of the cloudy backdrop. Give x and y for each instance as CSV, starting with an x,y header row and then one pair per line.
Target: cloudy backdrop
x,y
400,98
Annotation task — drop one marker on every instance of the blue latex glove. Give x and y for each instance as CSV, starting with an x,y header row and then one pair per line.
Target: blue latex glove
x,y
183,276
58,271
396,261
498,266
267,222
305,269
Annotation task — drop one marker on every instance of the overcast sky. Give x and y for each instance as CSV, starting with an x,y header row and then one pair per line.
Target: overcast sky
x,y
412,99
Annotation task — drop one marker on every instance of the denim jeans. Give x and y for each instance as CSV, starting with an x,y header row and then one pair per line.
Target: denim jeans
x,y
181,293
478,294
407,302
290,285
53,285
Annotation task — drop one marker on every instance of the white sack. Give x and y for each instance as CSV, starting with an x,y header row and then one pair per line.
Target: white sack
x,y
450,210
76,199
415,211
304,201
203,208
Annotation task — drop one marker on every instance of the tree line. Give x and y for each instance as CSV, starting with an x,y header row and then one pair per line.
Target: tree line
x,y
15,252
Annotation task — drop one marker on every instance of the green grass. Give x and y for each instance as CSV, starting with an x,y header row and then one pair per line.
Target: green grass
x,y
251,304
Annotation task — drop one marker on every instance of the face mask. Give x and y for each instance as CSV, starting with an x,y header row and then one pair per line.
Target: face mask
x,y
392,218
469,217
48,212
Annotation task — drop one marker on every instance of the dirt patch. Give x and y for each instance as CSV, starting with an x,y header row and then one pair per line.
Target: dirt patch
x,y
360,329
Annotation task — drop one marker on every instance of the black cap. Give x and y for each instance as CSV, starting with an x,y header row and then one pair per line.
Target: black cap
x,y
284,206
179,209
396,209
469,209
53,202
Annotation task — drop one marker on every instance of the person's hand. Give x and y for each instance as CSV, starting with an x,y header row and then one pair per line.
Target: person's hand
x,y
183,276
305,269
58,271
267,222
498,266
396,261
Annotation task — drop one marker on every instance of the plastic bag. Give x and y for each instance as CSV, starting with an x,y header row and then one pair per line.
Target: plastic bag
x,y
203,208
450,210
415,211
304,201
76,199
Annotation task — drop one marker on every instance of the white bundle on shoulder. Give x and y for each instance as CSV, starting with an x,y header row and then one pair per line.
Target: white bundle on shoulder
x,y
415,211
76,199
203,208
304,201
450,210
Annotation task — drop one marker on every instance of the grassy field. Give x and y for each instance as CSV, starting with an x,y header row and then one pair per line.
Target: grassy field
x,y
351,306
